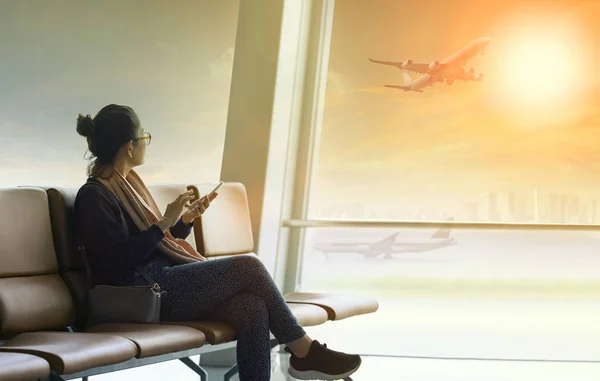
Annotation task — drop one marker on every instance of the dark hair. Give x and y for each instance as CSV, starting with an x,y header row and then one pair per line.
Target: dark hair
x,y
106,133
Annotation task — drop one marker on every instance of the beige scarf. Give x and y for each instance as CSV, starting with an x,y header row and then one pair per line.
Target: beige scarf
x,y
138,202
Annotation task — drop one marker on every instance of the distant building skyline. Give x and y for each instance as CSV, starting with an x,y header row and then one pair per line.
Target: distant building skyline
x,y
509,206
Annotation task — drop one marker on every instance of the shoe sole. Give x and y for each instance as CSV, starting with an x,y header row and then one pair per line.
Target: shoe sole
x,y
316,375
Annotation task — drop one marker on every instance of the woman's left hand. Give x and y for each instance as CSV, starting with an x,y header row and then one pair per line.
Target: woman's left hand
x,y
197,208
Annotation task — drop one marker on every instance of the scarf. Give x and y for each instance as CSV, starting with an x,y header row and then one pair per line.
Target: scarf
x,y
139,204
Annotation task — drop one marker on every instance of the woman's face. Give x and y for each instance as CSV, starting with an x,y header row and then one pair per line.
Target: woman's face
x,y
138,149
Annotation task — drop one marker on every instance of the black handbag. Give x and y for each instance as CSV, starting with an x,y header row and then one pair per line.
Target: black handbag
x,y
117,304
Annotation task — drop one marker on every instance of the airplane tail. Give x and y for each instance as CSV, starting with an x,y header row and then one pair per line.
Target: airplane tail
x,y
408,81
405,88
443,232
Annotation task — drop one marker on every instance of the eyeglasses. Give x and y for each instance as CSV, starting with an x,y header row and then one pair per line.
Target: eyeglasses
x,y
147,137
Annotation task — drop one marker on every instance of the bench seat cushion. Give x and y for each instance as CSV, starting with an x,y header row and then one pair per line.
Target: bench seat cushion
x,y
73,352
22,367
154,340
338,306
309,315
216,332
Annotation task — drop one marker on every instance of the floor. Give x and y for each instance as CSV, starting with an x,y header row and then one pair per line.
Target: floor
x,y
396,369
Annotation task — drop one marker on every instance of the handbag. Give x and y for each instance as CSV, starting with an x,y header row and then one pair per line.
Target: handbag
x,y
122,304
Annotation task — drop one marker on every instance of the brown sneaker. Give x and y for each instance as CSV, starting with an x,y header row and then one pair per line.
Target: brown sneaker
x,y
322,363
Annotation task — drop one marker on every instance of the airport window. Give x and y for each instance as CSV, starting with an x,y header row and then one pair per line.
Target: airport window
x,y
410,132
171,62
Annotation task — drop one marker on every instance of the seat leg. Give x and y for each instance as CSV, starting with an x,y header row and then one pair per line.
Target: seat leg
x,y
195,367
54,377
230,373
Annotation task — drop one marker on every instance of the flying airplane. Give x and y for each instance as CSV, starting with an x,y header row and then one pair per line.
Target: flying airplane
x,y
387,247
448,70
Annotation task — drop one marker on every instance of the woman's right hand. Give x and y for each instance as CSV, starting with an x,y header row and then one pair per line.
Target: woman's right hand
x,y
174,210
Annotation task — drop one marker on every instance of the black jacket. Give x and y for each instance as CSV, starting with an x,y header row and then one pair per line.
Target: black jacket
x,y
113,243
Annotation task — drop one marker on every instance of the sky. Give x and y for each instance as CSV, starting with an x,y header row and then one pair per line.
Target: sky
x,y
533,122
170,61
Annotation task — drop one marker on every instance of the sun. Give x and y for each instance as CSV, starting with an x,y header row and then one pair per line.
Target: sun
x,y
540,70
541,66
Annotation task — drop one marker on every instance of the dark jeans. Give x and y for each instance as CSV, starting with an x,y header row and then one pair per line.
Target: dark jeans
x,y
238,290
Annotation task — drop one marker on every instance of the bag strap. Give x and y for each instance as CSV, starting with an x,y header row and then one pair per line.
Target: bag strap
x,y
88,269
148,278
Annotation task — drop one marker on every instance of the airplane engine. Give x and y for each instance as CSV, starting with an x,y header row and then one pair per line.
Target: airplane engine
x,y
479,77
406,64
434,65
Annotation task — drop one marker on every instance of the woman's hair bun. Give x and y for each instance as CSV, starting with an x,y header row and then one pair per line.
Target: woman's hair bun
x,y
85,125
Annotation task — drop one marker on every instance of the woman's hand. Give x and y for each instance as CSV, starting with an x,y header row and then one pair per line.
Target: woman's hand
x,y
174,210
197,208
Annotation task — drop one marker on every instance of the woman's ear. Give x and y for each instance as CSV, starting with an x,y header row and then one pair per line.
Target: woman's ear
x,y
129,149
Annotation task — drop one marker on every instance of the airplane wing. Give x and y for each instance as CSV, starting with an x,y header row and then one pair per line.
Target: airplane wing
x,y
417,67
386,243
460,59
412,249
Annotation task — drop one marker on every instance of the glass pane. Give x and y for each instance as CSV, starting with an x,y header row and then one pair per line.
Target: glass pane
x,y
519,144
170,61
466,293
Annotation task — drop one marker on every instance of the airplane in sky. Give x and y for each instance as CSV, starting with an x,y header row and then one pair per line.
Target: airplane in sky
x,y
448,70
389,246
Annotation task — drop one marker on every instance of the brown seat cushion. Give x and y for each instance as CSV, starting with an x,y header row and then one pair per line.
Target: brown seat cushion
x,y
338,306
34,303
25,233
225,228
309,315
73,352
216,332
154,340
22,367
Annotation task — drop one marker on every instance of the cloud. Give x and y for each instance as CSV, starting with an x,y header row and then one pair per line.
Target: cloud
x,y
376,90
338,88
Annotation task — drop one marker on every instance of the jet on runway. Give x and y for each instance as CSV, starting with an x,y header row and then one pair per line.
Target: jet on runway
x,y
389,246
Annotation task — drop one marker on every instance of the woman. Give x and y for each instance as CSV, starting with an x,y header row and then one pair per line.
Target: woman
x,y
127,239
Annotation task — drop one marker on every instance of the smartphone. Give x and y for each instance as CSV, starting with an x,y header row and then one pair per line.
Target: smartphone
x,y
197,193
215,189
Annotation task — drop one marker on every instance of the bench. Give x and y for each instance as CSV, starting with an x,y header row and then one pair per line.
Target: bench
x,y
37,311
43,289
